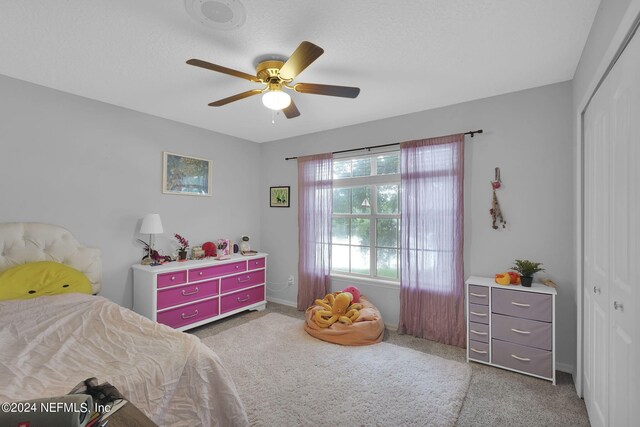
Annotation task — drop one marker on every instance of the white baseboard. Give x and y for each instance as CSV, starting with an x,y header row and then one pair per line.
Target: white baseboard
x,y
283,302
565,367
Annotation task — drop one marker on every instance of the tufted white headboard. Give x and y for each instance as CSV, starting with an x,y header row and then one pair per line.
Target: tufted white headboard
x,y
22,242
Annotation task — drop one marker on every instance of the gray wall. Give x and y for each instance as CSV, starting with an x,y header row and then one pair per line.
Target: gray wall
x,y
96,170
527,134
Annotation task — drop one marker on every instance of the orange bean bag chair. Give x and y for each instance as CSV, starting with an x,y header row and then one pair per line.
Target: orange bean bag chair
x,y
367,329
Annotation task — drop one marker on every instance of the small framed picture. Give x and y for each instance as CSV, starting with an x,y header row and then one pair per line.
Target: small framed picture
x,y
279,197
186,175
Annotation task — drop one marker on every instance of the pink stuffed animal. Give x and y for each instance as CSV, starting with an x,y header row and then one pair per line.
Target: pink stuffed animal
x,y
353,291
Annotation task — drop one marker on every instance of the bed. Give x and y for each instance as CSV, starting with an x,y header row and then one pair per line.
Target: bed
x,y
51,343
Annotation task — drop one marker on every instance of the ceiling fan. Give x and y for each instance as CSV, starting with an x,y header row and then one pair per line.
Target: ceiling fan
x,y
277,75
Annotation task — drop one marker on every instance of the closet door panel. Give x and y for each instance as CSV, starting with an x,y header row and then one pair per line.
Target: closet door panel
x,y
597,258
623,295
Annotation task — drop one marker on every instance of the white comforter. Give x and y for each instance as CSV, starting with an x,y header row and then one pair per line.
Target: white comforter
x,y
49,344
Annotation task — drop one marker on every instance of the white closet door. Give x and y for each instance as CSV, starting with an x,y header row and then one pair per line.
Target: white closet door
x,y
612,235
624,332
596,260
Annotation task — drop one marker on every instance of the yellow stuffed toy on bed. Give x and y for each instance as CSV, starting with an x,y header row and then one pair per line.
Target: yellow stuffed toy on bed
x,y
41,278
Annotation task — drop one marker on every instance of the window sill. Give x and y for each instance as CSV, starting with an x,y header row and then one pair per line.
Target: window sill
x,y
366,281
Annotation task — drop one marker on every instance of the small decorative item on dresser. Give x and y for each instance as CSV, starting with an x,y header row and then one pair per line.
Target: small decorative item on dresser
x,y
197,252
244,244
223,249
527,269
184,245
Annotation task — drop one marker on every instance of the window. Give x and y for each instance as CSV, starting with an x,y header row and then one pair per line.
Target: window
x,y
366,216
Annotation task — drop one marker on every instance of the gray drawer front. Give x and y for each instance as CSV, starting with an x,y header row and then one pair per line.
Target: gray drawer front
x,y
479,351
479,294
478,332
479,313
527,305
522,358
527,332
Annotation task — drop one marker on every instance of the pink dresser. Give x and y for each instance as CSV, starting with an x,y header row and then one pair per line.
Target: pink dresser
x,y
511,327
187,294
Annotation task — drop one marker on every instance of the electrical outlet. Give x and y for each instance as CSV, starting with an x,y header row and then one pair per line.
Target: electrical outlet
x,y
290,281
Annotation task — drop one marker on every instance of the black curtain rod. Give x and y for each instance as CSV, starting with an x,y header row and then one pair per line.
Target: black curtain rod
x,y
471,132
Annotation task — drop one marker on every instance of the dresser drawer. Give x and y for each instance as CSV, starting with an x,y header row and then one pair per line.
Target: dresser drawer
x,y
242,298
171,279
216,271
479,295
240,281
479,351
526,359
478,332
479,313
254,264
188,314
527,332
527,305
184,294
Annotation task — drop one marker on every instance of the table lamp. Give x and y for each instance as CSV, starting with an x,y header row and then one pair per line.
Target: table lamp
x,y
151,224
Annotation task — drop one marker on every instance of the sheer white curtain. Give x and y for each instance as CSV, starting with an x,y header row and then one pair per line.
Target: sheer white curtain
x,y
315,200
432,274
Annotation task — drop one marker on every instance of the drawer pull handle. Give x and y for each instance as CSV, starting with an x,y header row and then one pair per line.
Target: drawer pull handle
x,y
191,315
618,305
478,314
237,267
524,359
596,290
244,299
519,304
173,277
200,273
477,351
478,333
186,294
518,331
478,295
244,281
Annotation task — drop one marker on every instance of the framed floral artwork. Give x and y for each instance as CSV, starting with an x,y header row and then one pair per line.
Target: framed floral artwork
x,y
190,176
279,197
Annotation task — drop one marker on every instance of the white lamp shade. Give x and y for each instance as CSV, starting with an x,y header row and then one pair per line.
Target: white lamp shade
x,y
151,224
276,100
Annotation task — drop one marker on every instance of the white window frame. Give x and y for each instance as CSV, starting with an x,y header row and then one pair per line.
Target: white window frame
x,y
370,181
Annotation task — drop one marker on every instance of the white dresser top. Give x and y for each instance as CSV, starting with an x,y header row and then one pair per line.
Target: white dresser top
x,y
206,262
487,281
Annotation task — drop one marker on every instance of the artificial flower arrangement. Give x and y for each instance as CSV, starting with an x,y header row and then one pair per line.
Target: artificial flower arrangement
x,y
184,245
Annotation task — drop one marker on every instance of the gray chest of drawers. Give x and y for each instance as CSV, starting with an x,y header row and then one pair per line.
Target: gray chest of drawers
x,y
511,327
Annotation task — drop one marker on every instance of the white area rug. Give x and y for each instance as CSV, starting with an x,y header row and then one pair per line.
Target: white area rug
x,y
285,377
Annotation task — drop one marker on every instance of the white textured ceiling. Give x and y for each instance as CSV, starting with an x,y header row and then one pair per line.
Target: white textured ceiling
x,y
406,56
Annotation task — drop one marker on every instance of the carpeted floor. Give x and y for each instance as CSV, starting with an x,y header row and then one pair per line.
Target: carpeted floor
x,y
289,378
496,397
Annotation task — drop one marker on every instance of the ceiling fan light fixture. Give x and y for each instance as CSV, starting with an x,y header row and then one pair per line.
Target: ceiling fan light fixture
x,y
276,100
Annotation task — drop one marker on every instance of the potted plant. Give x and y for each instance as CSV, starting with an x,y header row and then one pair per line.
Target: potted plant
x,y
184,245
527,269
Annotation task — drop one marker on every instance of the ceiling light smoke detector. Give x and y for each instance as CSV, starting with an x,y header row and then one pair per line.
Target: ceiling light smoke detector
x,y
217,14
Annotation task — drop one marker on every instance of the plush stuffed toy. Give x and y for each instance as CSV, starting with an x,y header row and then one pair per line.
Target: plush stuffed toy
x,y
209,249
337,308
353,291
41,278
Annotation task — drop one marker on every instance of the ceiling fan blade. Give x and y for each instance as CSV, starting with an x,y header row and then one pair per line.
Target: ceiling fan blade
x,y
300,59
330,90
236,97
219,68
291,111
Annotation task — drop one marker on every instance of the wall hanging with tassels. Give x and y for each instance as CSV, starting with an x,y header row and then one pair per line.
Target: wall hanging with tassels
x,y
495,211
